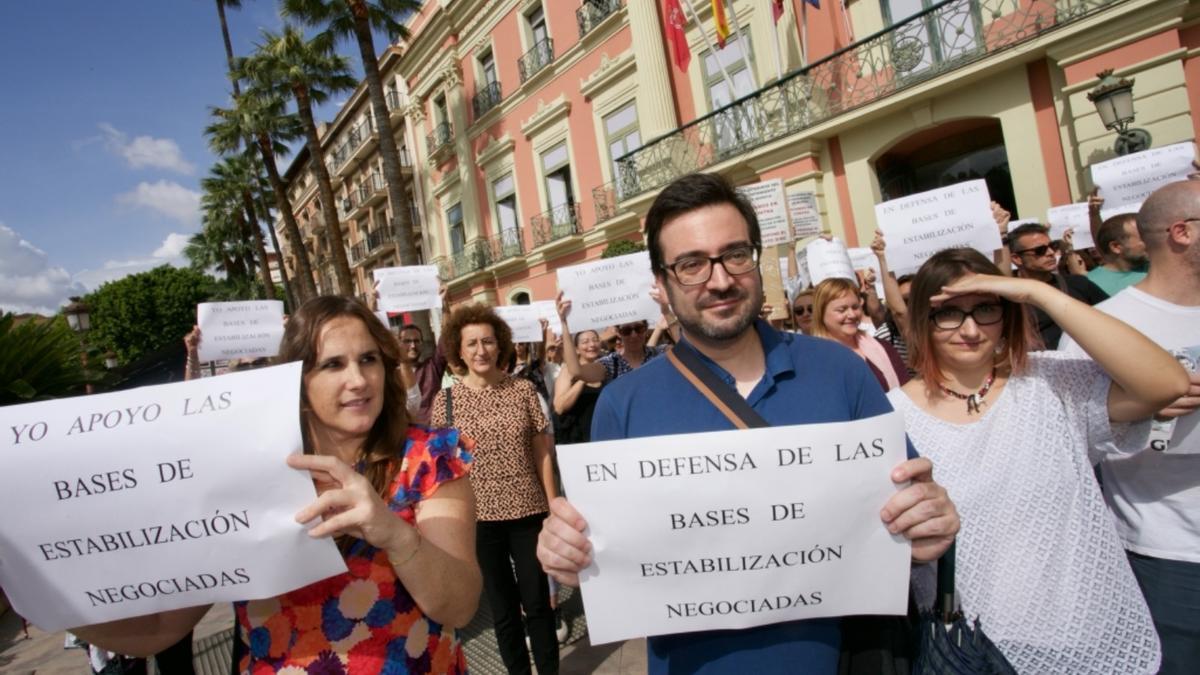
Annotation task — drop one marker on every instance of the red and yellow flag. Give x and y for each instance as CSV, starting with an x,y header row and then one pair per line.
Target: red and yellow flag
x,y
718,10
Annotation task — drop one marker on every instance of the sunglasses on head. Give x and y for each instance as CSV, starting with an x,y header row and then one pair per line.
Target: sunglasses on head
x,y
630,330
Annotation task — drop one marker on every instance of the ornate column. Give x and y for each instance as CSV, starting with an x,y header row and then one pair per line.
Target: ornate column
x,y
656,114
456,105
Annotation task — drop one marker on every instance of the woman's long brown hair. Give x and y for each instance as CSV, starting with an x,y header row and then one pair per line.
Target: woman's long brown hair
x,y
381,453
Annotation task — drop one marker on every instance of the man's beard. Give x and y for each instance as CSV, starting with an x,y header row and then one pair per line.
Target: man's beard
x,y
727,331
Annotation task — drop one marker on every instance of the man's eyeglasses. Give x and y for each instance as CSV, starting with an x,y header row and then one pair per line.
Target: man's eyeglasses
x,y
694,270
1039,251
984,314
626,331
801,310
410,341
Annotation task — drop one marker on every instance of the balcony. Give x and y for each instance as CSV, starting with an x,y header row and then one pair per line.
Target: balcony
x,y
474,257
932,43
592,12
371,191
534,60
486,98
361,139
604,199
378,240
440,140
507,244
557,223
395,104
347,205
358,252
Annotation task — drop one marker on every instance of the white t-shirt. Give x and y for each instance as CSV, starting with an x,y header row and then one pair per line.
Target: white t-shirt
x,y
1156,495
1038,559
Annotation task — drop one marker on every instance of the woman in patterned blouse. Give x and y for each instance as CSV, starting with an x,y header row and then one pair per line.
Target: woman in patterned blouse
x,y
513,478
391,495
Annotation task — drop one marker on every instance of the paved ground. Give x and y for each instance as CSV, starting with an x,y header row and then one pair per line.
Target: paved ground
x,y
43,654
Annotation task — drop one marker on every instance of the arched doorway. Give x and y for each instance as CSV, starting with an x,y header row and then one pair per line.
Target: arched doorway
x,y
949,153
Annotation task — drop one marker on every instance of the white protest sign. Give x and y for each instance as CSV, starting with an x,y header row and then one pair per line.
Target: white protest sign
x,y
828,259
863,258
408,289
733,529
609,292
1129,179
522,320
806,220
956,216
783,271
157,498
239,330
1069,217
769,204
383,318
546,310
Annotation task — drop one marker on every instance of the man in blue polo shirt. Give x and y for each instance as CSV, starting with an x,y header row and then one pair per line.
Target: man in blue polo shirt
x,y
704,243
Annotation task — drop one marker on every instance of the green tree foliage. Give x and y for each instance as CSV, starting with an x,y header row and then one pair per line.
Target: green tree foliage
x,y
142,313
38,360
622,247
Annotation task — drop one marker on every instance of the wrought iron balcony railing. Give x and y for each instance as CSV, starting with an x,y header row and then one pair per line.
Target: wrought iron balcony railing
x,y
377,239
486,98
394,100
475,256
441,136
358,251
560,221
347,204
535,59
935,41
445,270
507,244
592,12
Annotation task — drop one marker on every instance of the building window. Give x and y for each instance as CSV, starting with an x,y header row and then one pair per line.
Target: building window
x,y
508,222
622,135
733,127
458,234
557,167
947,34
537,24
487,91
541,47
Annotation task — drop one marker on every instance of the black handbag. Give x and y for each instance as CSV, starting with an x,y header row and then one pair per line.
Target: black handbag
x,y
870,645
947,644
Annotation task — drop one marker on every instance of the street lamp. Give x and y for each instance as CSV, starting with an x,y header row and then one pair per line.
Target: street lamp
x,y
77,316
1113,99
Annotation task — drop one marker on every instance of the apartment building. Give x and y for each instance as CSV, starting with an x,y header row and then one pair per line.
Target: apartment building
x,y
539,131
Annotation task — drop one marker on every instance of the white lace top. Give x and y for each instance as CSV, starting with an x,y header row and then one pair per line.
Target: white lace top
x,y
1038,558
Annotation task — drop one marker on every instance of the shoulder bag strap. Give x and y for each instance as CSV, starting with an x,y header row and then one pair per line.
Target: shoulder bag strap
x,y
720,394
450,406
946,602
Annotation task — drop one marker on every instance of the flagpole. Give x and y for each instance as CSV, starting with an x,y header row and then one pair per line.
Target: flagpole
x,y
804,33
709,45
778,48
737,28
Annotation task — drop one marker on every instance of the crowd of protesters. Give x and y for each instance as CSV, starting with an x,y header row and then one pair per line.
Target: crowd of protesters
x,y
1048,397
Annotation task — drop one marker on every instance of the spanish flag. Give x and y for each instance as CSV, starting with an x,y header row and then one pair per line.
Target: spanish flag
x,y
718,10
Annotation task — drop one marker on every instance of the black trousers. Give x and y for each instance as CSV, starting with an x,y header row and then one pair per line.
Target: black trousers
x,y
505,547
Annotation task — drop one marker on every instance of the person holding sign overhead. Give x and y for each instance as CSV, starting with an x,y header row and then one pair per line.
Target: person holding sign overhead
x,y
392,495
1038,559
704,246
1036,257
631,354
513,480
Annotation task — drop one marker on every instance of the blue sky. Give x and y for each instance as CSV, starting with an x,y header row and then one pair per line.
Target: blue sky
x,y
104,106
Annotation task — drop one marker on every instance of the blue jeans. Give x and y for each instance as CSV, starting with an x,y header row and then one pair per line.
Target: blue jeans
x,y
1172,590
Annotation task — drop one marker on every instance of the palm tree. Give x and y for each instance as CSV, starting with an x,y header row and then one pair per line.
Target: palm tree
x,y
344,19
285,65
228,183
262,119
219,243
231,71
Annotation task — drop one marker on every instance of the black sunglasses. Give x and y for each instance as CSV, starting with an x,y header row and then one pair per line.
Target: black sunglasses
x,y
801,310
1040,251
630,330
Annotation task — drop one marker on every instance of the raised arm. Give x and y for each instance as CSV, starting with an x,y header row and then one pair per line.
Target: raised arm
x,y
588,372
566,392
1145,378
891,289
1095,202
1074,264
191,343
866,286
1002,256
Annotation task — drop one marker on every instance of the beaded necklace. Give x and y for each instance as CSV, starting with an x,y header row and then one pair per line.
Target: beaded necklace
x,y
974,401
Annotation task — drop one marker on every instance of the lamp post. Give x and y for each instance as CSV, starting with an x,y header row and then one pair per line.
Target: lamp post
x,y
1113,99
80,322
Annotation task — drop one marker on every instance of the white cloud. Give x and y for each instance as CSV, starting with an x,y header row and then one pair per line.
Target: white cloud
x,y
28,282
170,252
146,151
166,197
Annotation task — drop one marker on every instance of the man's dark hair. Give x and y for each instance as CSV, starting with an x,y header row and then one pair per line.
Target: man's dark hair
x,y
1028,228
691,192
410,326
1112,230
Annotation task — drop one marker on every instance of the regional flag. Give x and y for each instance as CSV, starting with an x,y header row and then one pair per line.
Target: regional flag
x,y
718,11
777,9
676,35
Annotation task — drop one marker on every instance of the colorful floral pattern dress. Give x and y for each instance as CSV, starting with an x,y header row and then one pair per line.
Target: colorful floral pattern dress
x,y
363,621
